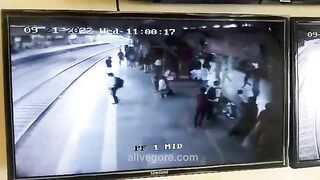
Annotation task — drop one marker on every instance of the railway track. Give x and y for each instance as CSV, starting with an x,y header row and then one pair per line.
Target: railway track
x,y
29,109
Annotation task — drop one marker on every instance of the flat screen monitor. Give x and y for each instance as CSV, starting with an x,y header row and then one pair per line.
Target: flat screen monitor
x,y
231,1
305,1
306,117
217,1
93,94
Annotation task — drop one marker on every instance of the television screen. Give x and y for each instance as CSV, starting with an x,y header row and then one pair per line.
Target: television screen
x,y
305,1
217,1
306,51
231,1
121,94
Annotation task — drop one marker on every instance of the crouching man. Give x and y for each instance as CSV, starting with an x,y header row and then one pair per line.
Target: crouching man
x,y
116,83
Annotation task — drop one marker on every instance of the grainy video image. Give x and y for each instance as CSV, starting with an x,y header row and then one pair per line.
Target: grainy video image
x,y
90,92
307,46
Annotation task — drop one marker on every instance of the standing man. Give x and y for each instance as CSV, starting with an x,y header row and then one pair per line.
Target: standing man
x,y
256,80
214,94
204,76
116,83
121,56
202,106
158,67
218,69
225,70
240,100
130,55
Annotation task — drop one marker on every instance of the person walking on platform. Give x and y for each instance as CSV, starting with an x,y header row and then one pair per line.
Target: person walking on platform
x,y
121,56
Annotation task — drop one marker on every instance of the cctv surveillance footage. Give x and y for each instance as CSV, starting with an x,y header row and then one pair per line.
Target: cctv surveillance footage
x,y
307,53
113,94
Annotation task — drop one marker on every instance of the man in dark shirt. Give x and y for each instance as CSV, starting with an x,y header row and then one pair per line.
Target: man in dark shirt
x,y
121,56
109,62
202,105
214,94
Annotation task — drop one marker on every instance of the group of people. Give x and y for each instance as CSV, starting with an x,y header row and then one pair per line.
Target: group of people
x,y
206,65
129,54
208,103
162,81
211,101
252,127
209,67
115,82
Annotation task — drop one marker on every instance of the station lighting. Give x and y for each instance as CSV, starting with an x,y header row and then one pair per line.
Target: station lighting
x,y
246,25
230,26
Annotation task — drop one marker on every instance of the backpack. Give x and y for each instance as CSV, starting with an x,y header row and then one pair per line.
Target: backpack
x,y
119,82
214,93
217,92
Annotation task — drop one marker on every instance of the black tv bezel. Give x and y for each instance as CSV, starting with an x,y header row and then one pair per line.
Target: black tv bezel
x,y
11,171
294,140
